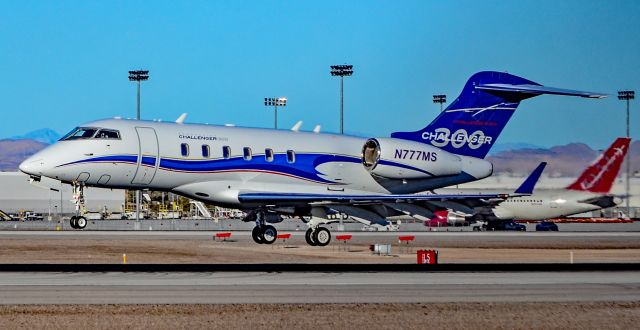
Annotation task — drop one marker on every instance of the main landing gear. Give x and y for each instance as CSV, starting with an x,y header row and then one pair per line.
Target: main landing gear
x,y
318,236
77,221
263,233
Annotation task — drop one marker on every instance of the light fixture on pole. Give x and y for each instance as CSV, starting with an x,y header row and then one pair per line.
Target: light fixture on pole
x,y
627,96
440,98
342,71
138,76
275,102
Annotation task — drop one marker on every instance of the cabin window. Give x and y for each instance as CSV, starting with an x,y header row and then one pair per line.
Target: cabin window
x,y
184,150
291,156
247,153
205,151
268,155
226,152
108,134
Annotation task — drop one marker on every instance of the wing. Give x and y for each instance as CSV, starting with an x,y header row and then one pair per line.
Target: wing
x,y
327,199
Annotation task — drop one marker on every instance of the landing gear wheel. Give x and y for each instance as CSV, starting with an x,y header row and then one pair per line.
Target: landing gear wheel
x,y
269,234
81,222
256,234
72,222
322,236
308,236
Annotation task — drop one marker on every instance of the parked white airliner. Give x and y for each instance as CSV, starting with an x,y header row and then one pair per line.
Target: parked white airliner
x,y
590,192
270,173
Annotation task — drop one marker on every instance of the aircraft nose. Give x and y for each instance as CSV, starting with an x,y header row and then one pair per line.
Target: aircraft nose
x,y
32,166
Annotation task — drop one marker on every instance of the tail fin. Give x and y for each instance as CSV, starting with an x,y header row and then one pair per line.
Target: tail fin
x,y
472,123
599,176
530,183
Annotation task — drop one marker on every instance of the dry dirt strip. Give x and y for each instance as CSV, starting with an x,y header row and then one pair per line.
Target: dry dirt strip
x,y
601,315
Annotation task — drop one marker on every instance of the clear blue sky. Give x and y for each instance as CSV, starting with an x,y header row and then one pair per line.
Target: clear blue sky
x,y
65,62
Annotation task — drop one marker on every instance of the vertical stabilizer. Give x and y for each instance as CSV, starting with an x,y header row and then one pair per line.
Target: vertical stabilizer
x,y
530,183
473,121
599,176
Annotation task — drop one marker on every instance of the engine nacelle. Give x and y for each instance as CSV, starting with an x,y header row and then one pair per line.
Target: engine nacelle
x,y
402,159
445,218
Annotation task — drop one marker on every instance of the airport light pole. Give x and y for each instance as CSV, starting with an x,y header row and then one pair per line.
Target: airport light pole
x,y
441,99
275,102
138,76
627,96
342,71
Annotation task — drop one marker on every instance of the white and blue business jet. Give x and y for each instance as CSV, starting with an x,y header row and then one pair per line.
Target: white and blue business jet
x,y
270,173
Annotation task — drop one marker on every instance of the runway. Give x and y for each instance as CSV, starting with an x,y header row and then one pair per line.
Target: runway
x,y
225,288
142,234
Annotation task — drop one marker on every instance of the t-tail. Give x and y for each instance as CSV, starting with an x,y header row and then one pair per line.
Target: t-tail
x,y
471,124
599,176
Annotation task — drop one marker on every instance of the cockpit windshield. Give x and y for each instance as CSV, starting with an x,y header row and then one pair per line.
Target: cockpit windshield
x,y
84,133
107,134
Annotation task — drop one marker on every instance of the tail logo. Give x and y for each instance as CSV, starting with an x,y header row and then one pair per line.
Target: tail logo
x,y
607,162
441,137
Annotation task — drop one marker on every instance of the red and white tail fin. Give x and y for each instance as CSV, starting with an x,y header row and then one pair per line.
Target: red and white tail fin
x,y
599,176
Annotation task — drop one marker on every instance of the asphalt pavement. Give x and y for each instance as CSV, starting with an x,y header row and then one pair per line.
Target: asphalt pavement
x,y
217,288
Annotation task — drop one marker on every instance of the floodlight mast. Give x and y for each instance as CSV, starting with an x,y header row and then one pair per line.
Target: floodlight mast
x,y
342,71
275,102
441,99
138,76
627,96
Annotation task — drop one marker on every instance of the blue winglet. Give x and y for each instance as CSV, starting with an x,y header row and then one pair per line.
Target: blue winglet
x,y
527,186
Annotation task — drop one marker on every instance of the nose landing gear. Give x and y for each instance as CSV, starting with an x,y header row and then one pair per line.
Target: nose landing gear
x,y
263,233
77,221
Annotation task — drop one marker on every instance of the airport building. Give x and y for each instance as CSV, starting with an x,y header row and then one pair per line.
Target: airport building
x,y
51,197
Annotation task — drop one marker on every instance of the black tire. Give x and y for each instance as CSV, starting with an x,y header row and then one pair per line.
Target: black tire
x,y
72,222
269,234
256,234
81,222
308,236
322,236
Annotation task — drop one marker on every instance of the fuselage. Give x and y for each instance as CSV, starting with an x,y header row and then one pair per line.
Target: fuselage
x,y
543,203
213,163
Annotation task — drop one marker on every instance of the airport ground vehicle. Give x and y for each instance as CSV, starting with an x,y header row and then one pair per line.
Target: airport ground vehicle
x,y
504,225
546,226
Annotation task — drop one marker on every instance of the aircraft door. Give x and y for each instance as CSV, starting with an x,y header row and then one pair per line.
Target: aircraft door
x,y
148,159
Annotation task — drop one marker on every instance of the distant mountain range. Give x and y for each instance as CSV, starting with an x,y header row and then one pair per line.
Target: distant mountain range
x,y
44,135
13,152
563,161
516,159
501,147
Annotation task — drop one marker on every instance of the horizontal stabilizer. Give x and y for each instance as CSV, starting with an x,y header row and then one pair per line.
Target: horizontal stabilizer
x,y
538,90
530,183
